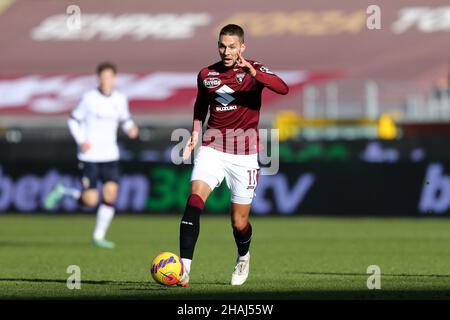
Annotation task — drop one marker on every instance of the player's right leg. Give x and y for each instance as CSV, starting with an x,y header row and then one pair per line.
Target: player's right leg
x,y
109,174
206,175
190,225
105,214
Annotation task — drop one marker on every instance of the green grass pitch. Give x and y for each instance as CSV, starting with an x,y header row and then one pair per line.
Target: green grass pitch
x,y
292,258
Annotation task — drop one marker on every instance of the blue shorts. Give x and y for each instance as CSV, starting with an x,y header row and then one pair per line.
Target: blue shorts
x,y
92,172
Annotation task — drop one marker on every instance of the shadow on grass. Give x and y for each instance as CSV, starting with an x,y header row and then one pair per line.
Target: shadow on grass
x,y
100,282
401,275
137,290
179,293
211,295
149,285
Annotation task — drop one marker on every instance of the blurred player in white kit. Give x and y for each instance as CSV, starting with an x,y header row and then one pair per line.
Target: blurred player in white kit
x,y
93,125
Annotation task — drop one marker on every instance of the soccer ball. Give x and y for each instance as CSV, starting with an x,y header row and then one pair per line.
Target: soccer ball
x,y
167,268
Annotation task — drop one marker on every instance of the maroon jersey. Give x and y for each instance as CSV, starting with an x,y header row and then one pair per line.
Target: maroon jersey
x,y
233,99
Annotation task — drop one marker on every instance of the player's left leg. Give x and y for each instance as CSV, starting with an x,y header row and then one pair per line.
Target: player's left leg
x,y
88,196
242,181
106,210
57,193
242,232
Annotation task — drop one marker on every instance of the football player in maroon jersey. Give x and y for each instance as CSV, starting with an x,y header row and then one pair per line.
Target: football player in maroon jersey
x,y
231,91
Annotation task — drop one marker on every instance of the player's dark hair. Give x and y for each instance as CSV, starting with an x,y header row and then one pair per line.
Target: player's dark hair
x,y
106,66
232,30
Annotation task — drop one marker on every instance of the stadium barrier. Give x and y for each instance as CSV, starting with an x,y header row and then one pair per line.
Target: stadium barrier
x,y
323,188
292,125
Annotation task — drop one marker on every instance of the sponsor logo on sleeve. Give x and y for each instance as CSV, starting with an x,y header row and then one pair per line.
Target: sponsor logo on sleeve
x,y
265,70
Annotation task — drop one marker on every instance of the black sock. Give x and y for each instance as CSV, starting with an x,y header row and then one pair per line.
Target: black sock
x,y
243,239
190,226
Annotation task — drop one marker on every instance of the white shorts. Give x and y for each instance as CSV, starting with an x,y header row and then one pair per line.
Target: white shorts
x,y
240,172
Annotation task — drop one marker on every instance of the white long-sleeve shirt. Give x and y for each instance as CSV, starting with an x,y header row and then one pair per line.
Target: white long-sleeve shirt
x,y
95,120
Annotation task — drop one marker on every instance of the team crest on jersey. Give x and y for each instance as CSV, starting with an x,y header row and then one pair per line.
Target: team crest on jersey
x,y
240,77
213,73
266,70
211,82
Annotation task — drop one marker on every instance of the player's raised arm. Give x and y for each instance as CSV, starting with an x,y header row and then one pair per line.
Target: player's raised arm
x,y
263,75
270,80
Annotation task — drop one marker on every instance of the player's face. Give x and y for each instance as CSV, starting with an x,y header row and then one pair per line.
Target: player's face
x,y
107,79
229,47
